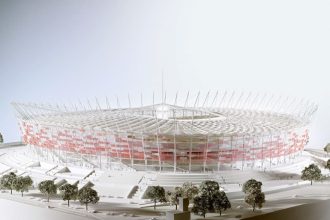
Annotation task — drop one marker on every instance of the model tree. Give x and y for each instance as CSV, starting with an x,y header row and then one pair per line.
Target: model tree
x,y
328,164
201,202
156,194
7,181
47,188
251,185
312,172
69,192
253,194
255,198
88,195
210,199
187,190
172,198
221,201
1,138
22,184
327,148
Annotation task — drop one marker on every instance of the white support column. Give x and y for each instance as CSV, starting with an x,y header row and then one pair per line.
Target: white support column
x,y
243,156
120,150
253,152
231,99
238,101
219,150
222,99
253,101
98,103
270,149
231,151
206,99
214,99
131,148
245,103
262,152
144,152
176,98
205,152
262,100
159,153
129,101
190,152
278,148
174,153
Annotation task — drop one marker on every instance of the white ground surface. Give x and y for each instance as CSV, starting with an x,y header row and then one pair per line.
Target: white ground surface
x,y
17,210
282,187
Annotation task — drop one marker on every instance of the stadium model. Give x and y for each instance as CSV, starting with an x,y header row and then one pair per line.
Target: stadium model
x,y
227,131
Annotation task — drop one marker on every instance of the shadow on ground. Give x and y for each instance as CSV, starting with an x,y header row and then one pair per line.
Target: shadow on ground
x,y
313,211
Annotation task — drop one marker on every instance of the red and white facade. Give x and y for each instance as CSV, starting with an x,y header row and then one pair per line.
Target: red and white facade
x,y
166,137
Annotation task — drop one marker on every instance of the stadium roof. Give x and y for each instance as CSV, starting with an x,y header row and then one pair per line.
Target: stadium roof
x,y
225,119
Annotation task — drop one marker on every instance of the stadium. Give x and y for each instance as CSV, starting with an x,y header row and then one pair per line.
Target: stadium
x,y
219,132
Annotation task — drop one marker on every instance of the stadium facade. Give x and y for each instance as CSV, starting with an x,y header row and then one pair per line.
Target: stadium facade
x,y
227,131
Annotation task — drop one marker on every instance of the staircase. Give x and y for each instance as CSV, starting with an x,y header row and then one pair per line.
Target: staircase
x,y
146,180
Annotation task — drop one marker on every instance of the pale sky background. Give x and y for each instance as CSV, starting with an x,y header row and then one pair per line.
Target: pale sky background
x,y
62,51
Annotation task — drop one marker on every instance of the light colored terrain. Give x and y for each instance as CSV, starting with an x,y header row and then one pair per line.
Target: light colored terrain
x,y
282,187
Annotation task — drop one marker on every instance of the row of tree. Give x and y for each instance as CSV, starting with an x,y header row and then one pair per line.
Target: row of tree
x,y
12,182
85,195
208,197
68,192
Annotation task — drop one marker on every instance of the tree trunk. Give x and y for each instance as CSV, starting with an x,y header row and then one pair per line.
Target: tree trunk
x,y
22,193
86,206
311,182
154,204
47,197
68,203
254,207
176,206
11,191
220,212
204,214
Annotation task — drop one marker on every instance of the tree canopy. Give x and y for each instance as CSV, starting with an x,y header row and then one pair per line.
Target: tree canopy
x,y
7,181
172,198
201,203
210,199
312,172
221,201
47,188
209,187
328,164
22,184
1,138
255,198
253,194
251,185
187,190
156,193
327,148
88,195
69,192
